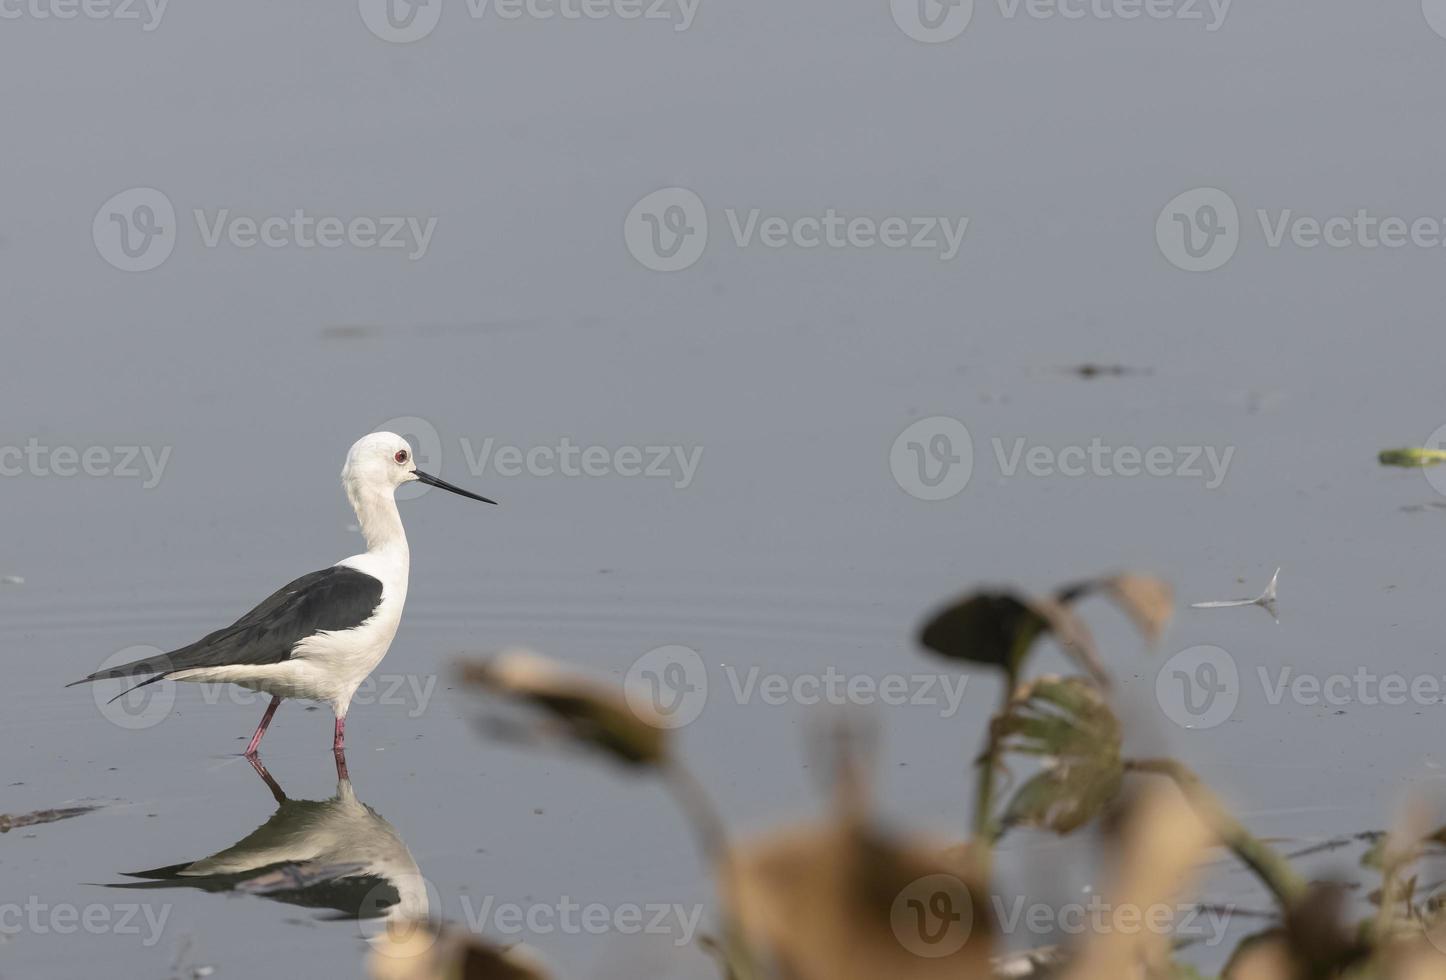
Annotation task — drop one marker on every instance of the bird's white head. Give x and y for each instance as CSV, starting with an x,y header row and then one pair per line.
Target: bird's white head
x,y
378,461
375,466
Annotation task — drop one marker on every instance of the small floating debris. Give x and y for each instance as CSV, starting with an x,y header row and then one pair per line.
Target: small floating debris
x,y
1412,457
347,331
9,823
1090,371
12,580
1266,599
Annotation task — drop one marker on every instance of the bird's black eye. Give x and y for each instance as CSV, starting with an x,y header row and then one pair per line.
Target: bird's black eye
x,y
401,456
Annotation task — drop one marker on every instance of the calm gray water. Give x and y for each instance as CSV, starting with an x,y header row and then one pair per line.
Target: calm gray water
x,y
792,547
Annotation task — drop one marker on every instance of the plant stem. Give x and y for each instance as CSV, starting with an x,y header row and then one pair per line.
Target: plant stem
x,y
698,811
712,838
1273,870
986,828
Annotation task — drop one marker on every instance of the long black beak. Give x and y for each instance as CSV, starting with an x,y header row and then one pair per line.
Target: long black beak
x,y
441,484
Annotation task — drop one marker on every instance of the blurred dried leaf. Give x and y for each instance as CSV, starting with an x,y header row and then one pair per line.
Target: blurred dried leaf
x,y
1423,962
1395,899
1316,940
1163,841
1000,628
841,901
451,954
1375,855
1261,957
1067,723
838,899
590,713
1148,601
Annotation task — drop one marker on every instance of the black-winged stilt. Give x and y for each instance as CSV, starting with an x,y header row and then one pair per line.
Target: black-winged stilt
x,y
320,636
338,854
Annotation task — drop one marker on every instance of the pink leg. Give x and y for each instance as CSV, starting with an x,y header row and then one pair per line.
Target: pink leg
x,y
256,764
261,728
338,744
341,773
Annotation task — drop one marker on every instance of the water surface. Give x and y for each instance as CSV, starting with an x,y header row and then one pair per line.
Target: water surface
x,y
792,549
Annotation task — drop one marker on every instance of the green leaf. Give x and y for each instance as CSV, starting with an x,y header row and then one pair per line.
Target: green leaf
x,y
1412,457
1000,629
1064,798
1067,722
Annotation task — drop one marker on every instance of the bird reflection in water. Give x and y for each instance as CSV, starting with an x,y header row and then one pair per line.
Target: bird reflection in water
x,y
335,854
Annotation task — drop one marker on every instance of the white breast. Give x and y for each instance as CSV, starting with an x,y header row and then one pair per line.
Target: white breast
x,y
338,661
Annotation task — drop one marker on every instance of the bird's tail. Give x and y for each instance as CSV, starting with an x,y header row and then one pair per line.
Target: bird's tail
x,y
153,668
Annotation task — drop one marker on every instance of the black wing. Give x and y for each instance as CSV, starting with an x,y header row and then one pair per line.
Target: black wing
x,y
337,887
335,598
